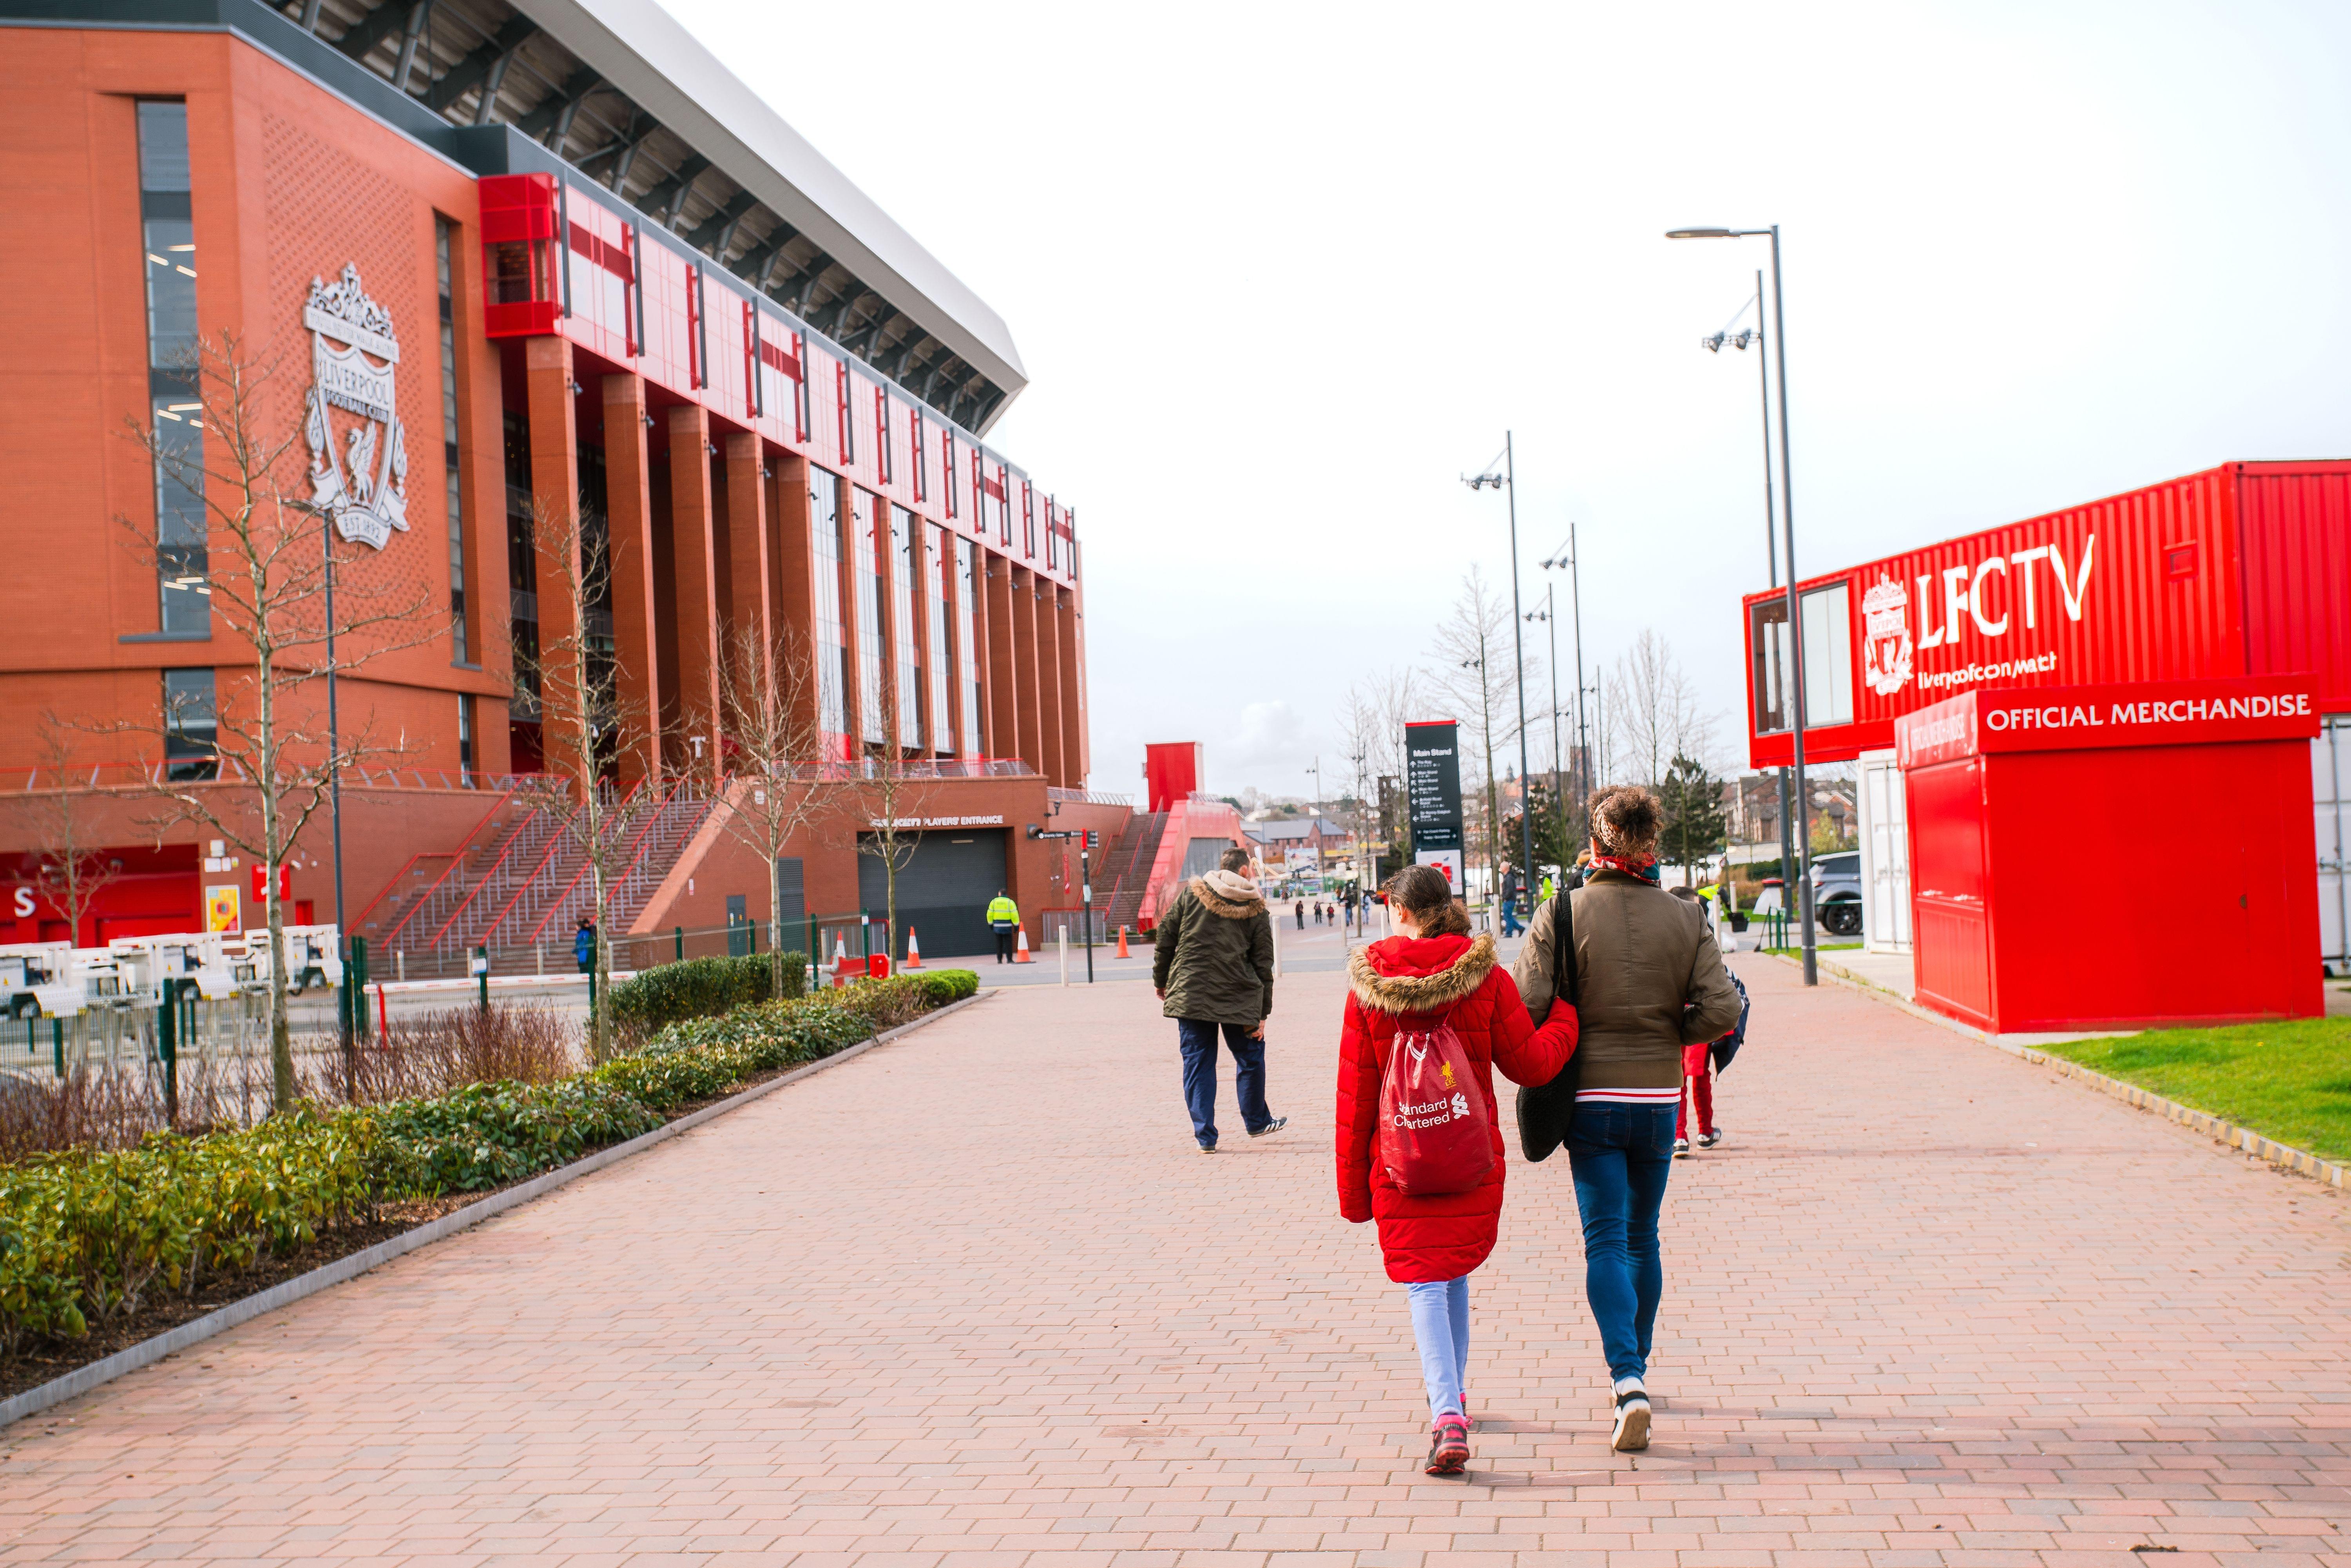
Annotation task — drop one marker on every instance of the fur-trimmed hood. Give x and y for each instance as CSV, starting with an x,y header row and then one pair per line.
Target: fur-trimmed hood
x,y
1228,893
1420,974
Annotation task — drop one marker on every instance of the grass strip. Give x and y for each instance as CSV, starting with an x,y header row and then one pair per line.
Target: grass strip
x,y
2289,1080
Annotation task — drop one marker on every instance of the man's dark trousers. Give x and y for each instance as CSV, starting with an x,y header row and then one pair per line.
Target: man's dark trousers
x,y
1003,940
1199,1040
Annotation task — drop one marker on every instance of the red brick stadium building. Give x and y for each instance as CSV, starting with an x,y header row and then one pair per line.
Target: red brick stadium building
x,y
542,257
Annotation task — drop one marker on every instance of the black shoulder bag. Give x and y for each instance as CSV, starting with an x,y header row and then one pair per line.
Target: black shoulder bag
x,y
1543,1110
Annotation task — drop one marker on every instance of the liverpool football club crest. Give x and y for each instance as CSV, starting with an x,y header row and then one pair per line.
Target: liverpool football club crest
x,y
1886,634
358,467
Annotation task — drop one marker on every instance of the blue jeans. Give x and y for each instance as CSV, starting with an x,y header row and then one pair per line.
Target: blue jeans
x,y
1440,1327
1199,1040
1621,1156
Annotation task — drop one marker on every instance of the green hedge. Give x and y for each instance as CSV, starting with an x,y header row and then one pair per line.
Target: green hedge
x,y
85,1236
702,987
88,1236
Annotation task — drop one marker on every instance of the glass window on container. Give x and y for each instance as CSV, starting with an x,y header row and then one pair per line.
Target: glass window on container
x,y
831,646
968,595
183,585
869,548
944,648
1828,656
905,593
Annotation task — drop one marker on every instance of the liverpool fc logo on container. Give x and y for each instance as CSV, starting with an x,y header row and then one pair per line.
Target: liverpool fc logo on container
x,y
364,485
1886,634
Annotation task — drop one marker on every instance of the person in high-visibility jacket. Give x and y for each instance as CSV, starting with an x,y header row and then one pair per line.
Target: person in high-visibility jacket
x,y
1004,917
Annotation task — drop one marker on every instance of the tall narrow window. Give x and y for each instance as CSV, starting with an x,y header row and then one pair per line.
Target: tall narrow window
x,y
1027,520
967,596
944,648
882,432
905,593
183,582
831,636
522,597
948,469
869,542
191,725
841,400
1052,535
1000,491
442,239
921,458
466,736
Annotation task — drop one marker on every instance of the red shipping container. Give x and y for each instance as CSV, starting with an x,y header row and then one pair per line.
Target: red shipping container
x,y
2024,801
2244,570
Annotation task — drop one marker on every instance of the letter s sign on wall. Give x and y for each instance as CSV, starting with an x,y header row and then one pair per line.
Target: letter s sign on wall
x,y
24,901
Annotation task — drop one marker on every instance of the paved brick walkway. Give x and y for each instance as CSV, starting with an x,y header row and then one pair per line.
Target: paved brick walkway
x,y
972,1301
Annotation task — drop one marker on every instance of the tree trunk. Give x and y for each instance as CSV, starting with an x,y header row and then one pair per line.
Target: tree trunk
x,y
775,925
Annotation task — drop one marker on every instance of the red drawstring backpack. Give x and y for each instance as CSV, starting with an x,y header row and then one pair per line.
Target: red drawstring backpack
x,y
1435,1136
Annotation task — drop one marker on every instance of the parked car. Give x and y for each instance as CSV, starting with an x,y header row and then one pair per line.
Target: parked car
x,y
1837,892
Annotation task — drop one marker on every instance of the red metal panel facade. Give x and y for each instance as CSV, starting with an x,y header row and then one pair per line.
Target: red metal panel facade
x,y
2241,570
1987,774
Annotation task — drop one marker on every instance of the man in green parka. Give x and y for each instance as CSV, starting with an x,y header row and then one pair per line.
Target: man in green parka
x,y
1213,964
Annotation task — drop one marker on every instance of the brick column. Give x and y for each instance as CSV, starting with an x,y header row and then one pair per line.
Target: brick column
x,y
1003,683
1025,732
555,494
1052,764
1075,761
694,575
749,574
791,604
628,503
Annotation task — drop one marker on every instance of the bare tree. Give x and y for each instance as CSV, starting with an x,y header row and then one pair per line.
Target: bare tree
x,y
1474,667
73,871
573,680
1654,710
769,713
268,560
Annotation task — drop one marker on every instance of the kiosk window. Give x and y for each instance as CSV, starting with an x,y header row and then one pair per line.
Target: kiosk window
x,y
1828,661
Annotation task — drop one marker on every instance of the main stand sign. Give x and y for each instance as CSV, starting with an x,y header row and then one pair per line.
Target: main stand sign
x,y
1432,783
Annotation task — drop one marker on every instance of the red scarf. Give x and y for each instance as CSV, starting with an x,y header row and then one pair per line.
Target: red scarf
x,y
1642,866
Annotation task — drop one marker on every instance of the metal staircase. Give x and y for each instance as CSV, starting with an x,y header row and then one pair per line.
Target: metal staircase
x,y
1126,870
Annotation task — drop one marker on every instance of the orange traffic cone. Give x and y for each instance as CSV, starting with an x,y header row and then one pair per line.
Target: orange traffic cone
x,y
1020,953
1122,942
914,951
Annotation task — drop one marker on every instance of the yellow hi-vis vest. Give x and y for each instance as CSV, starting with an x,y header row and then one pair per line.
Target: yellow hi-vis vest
x,y
1003,911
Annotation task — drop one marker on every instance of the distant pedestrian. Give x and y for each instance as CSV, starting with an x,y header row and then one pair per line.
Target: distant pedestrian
x,y
1004,919
583,944
1301,914
1432,975
1212,963
1650,981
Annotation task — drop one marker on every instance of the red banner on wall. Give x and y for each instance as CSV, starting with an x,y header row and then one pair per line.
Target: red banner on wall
x,y
2139,712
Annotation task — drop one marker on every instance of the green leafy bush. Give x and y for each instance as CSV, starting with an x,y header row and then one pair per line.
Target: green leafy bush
x,y
701,987
903,997
700,1057
85,1236
947,986
485,1135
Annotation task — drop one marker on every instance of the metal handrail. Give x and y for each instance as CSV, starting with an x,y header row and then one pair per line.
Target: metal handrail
x,y
549,864
643,836
455,857
499,875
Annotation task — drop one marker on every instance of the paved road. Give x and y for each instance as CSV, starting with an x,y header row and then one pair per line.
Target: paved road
x,y
972,1301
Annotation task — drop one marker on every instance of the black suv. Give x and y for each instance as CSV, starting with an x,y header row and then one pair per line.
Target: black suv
x,y
1837,892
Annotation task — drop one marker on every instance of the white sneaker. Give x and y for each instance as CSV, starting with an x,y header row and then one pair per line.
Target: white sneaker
x,y
1632,1432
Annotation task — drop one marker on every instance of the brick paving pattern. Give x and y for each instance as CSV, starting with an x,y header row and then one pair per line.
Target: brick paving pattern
x,y
972,1301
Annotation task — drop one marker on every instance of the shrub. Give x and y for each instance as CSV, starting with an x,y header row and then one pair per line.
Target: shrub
x,y
701,987
903,997
700,1057
487,1134
85,1236
947,986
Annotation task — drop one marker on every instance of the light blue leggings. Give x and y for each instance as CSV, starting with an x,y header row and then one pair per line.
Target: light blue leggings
x,y
1440,1326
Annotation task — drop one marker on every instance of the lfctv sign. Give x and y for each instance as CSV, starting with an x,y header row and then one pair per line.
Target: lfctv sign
x,y
1993,595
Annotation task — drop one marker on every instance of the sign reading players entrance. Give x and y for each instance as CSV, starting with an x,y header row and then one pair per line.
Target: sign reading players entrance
x,y
1432,782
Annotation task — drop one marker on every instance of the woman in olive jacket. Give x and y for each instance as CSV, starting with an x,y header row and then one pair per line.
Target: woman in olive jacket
x,y
1212,962
1649,981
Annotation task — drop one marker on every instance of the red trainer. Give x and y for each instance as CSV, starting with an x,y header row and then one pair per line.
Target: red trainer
x,y
1449,1446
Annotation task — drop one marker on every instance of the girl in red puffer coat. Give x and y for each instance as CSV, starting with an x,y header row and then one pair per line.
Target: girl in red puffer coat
x,y
1435,971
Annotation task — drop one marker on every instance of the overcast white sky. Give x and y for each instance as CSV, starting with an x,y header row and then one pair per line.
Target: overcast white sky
x,y
1280,273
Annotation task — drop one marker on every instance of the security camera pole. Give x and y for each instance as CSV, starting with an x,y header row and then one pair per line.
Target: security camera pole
x,y
1795,609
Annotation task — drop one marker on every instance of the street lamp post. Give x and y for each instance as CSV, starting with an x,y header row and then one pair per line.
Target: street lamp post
x,y
1795,611
1771,543
1508,480
1550,622
1568,558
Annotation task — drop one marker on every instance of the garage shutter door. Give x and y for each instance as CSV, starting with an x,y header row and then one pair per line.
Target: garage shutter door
x,y
943,891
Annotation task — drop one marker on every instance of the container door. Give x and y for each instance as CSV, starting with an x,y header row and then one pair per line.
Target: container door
x,y
1885,855
2330,757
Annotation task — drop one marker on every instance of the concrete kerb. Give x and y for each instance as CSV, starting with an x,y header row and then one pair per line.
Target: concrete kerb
x,y
2285,1156
147,1351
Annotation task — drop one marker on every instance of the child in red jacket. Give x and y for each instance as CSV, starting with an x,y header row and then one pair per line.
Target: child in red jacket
x,y
1432,971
